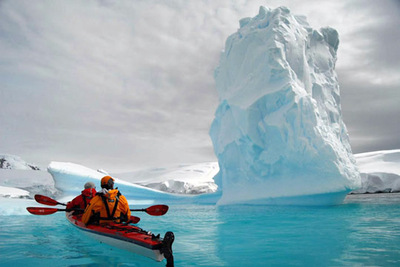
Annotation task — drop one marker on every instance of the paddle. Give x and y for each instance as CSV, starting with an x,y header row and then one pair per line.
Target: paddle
x,y
156,210
48,211
45,211
47,201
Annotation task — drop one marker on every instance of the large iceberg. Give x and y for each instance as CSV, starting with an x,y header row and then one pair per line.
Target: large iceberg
x,y
278,132
69,178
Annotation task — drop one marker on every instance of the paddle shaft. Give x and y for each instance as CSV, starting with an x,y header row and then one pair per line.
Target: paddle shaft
x,y
48,211
156,210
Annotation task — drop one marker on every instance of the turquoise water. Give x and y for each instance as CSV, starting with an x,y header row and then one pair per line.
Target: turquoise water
x,y
365,231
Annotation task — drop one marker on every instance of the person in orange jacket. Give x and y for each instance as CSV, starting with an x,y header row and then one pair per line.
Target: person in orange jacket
x,y
107,206
81,201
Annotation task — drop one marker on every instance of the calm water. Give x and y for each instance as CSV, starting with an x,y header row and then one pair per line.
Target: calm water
x,y
365,231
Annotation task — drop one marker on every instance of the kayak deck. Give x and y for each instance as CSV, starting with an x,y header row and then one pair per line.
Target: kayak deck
x,y
129,237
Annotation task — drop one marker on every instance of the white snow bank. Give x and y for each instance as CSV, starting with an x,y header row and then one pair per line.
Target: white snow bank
x,y
13,192
15,163
179,187
35,182
380,171
183,179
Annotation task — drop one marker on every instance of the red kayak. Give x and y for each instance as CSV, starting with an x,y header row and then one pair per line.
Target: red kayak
x,y
129,237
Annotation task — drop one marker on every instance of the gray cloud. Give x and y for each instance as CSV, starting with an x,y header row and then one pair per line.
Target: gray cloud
x,y
370,81
129,84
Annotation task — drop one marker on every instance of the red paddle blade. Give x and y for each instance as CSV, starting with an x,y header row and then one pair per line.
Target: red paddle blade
x,y
41,211
157,210
45,200
134,220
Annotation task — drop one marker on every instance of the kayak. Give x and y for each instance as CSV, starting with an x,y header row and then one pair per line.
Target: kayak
x,y
129,237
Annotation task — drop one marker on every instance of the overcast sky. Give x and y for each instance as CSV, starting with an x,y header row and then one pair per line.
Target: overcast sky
x,y
124,85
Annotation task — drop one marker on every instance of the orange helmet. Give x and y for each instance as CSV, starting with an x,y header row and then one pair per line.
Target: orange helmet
x,y
107,182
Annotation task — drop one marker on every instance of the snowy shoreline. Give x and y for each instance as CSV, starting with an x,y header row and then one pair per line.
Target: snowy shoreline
x,y
380,171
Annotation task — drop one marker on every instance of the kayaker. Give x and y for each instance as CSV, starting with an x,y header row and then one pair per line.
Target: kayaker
x,y
81,201
107,206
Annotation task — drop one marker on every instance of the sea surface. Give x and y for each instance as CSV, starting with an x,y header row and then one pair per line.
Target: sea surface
x,y
364,231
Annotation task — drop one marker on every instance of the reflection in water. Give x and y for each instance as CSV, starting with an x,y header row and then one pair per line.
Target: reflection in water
x,y
343,235
303,236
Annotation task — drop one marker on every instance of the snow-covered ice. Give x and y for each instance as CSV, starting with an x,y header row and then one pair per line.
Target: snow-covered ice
x,y
19,182
15,163
13,192
19,179
34,182
278,132
183,179
380,171
65,180
70,178
17,187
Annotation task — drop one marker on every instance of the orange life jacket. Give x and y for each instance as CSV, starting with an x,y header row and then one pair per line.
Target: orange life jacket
x,y
110,207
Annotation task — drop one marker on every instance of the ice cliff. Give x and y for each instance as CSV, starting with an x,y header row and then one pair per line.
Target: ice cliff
x,y
278,132
70,178
380,171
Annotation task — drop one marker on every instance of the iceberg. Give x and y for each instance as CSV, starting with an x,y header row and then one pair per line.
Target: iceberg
x,y
69,178
380,171
278,131
64,180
